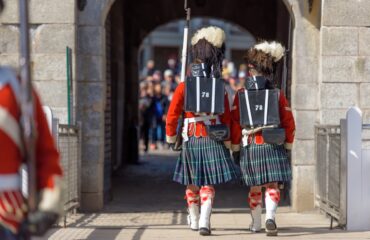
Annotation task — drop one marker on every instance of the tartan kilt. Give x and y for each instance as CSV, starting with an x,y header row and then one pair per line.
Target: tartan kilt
x,y
204,161
264,163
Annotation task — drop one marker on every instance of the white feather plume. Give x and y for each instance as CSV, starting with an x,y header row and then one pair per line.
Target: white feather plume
x,y
214,35
275,49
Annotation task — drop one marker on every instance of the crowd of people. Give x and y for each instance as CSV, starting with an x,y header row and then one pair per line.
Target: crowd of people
x,y
156,90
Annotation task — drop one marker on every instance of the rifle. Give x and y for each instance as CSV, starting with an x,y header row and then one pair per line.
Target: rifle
x,y
27,106
184,58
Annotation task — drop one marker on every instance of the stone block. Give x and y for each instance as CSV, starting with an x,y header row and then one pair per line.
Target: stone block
x,y
366,70
61,113
366,116
96,8
9,40
92,202
92,149
9,60
339,41
49,67
90,40
54,38
42,11
305,124
364,41
303,152
343,69
346,13
305,97
306,40
52,93
93,124
305,70
332,116
92,178
91,96
303,188
365,95
89,68
339,95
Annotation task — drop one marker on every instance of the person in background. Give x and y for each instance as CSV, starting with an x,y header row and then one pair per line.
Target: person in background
x,y
13,205
169,79
145,113
241,80
148,70
157,76
173,66
231,88
159,107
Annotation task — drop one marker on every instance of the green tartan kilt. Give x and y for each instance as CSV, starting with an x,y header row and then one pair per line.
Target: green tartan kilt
x,y
264,163
204,161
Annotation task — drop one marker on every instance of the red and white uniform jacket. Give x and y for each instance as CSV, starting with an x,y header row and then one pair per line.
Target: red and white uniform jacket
x,y
286,121
197,129
49,172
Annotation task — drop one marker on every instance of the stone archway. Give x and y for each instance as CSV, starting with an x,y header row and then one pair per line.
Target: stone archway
x,y
91,67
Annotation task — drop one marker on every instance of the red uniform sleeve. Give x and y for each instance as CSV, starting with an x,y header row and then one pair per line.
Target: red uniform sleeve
x,y
47,156
287,120
174,112
236,129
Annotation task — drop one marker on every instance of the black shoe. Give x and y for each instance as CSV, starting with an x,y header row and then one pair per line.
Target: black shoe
x,y
271,228
205,231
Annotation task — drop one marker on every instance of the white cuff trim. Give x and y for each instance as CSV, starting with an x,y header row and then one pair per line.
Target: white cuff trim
x,y
235,147
227,144
171,139
288,146
51,197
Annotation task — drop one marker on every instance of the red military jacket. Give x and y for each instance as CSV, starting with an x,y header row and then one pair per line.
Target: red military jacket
x,y
195,129
48,168
47,156
286,119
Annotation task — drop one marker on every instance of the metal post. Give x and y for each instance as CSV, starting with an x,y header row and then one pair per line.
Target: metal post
x,y
355,214
343,174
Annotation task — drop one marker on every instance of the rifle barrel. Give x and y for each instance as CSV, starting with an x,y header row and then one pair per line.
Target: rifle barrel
x,y
27,106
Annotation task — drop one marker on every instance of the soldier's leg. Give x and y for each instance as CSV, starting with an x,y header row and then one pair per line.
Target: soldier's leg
x,y
193,201
272,198
207,194
255,204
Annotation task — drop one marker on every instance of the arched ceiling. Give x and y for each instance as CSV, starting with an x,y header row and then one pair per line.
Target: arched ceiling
x,y
259,17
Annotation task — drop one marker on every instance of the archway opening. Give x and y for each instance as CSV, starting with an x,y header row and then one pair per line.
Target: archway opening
x,y
133,28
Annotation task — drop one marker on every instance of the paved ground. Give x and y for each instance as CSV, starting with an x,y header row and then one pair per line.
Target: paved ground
x,y
148,205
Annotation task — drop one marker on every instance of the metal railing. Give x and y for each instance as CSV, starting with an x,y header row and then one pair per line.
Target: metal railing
x,y
343,171
330,171
69,144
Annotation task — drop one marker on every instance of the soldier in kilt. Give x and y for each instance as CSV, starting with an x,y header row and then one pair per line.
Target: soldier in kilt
x,y
263,164
203,162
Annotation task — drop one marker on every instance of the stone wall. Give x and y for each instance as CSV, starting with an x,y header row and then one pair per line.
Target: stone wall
x,y
345,59
53,29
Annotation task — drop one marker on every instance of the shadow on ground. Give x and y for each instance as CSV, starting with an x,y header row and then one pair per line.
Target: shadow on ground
x,y
148,187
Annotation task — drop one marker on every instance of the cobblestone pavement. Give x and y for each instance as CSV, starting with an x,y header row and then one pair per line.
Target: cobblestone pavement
x,y
147,205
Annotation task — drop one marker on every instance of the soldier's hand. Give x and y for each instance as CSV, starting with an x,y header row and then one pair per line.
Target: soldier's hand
x,y
236,157
40,222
